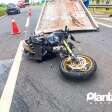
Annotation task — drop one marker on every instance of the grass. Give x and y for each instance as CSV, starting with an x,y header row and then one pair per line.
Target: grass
x,y
101,10
2,9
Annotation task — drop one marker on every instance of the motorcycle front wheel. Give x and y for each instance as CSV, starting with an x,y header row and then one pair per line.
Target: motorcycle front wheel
x,y
83,70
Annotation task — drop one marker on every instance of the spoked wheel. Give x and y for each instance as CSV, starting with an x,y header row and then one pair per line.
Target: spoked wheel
x,y
82,70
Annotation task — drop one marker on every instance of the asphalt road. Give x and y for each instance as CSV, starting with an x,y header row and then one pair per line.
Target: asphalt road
x,y
41,88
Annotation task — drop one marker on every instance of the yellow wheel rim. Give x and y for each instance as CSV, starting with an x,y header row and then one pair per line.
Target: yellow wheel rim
x,y
85,63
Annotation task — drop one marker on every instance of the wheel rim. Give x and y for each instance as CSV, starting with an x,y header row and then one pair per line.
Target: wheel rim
x,y
85,64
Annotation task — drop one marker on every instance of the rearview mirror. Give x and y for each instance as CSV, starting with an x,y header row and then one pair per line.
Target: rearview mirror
x,y
66,29
72,38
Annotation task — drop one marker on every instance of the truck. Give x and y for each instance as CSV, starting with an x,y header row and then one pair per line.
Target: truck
x,y
23,3
56,14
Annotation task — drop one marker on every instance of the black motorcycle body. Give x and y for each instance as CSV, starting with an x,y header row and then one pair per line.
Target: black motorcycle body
x,y
75,66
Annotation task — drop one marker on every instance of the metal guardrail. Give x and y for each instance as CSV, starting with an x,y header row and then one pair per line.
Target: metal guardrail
x,y
100,6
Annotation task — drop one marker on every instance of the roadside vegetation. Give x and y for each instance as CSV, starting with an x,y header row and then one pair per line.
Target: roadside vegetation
x,y
2,9
101,10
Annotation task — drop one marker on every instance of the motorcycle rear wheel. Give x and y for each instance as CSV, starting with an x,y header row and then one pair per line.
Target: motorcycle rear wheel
x,y
78,71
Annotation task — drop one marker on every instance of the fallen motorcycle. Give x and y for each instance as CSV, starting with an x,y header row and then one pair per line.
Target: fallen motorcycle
x,y
75,66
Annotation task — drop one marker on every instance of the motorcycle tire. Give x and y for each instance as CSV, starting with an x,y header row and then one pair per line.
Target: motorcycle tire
x,y
79,75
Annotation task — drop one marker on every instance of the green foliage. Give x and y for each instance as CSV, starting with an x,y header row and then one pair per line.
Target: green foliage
x,y
3,5
26,0
2,9
101,10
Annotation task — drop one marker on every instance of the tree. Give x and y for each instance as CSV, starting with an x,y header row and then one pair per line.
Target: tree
x,y
26,0
97,1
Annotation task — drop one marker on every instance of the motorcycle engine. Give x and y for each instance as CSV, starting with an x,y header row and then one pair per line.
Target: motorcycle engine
x,y
53,40
42,46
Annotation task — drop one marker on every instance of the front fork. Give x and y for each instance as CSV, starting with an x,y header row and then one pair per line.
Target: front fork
x,y
70,51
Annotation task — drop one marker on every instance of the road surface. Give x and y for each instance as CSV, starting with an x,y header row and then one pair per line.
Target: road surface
x,y
40,87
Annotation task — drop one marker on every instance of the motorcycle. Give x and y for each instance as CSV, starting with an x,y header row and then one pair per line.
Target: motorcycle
x,y
72,65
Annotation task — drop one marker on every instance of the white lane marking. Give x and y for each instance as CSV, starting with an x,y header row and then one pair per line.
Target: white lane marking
x,y
27,22
107,19
2,17
103,24
7,95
